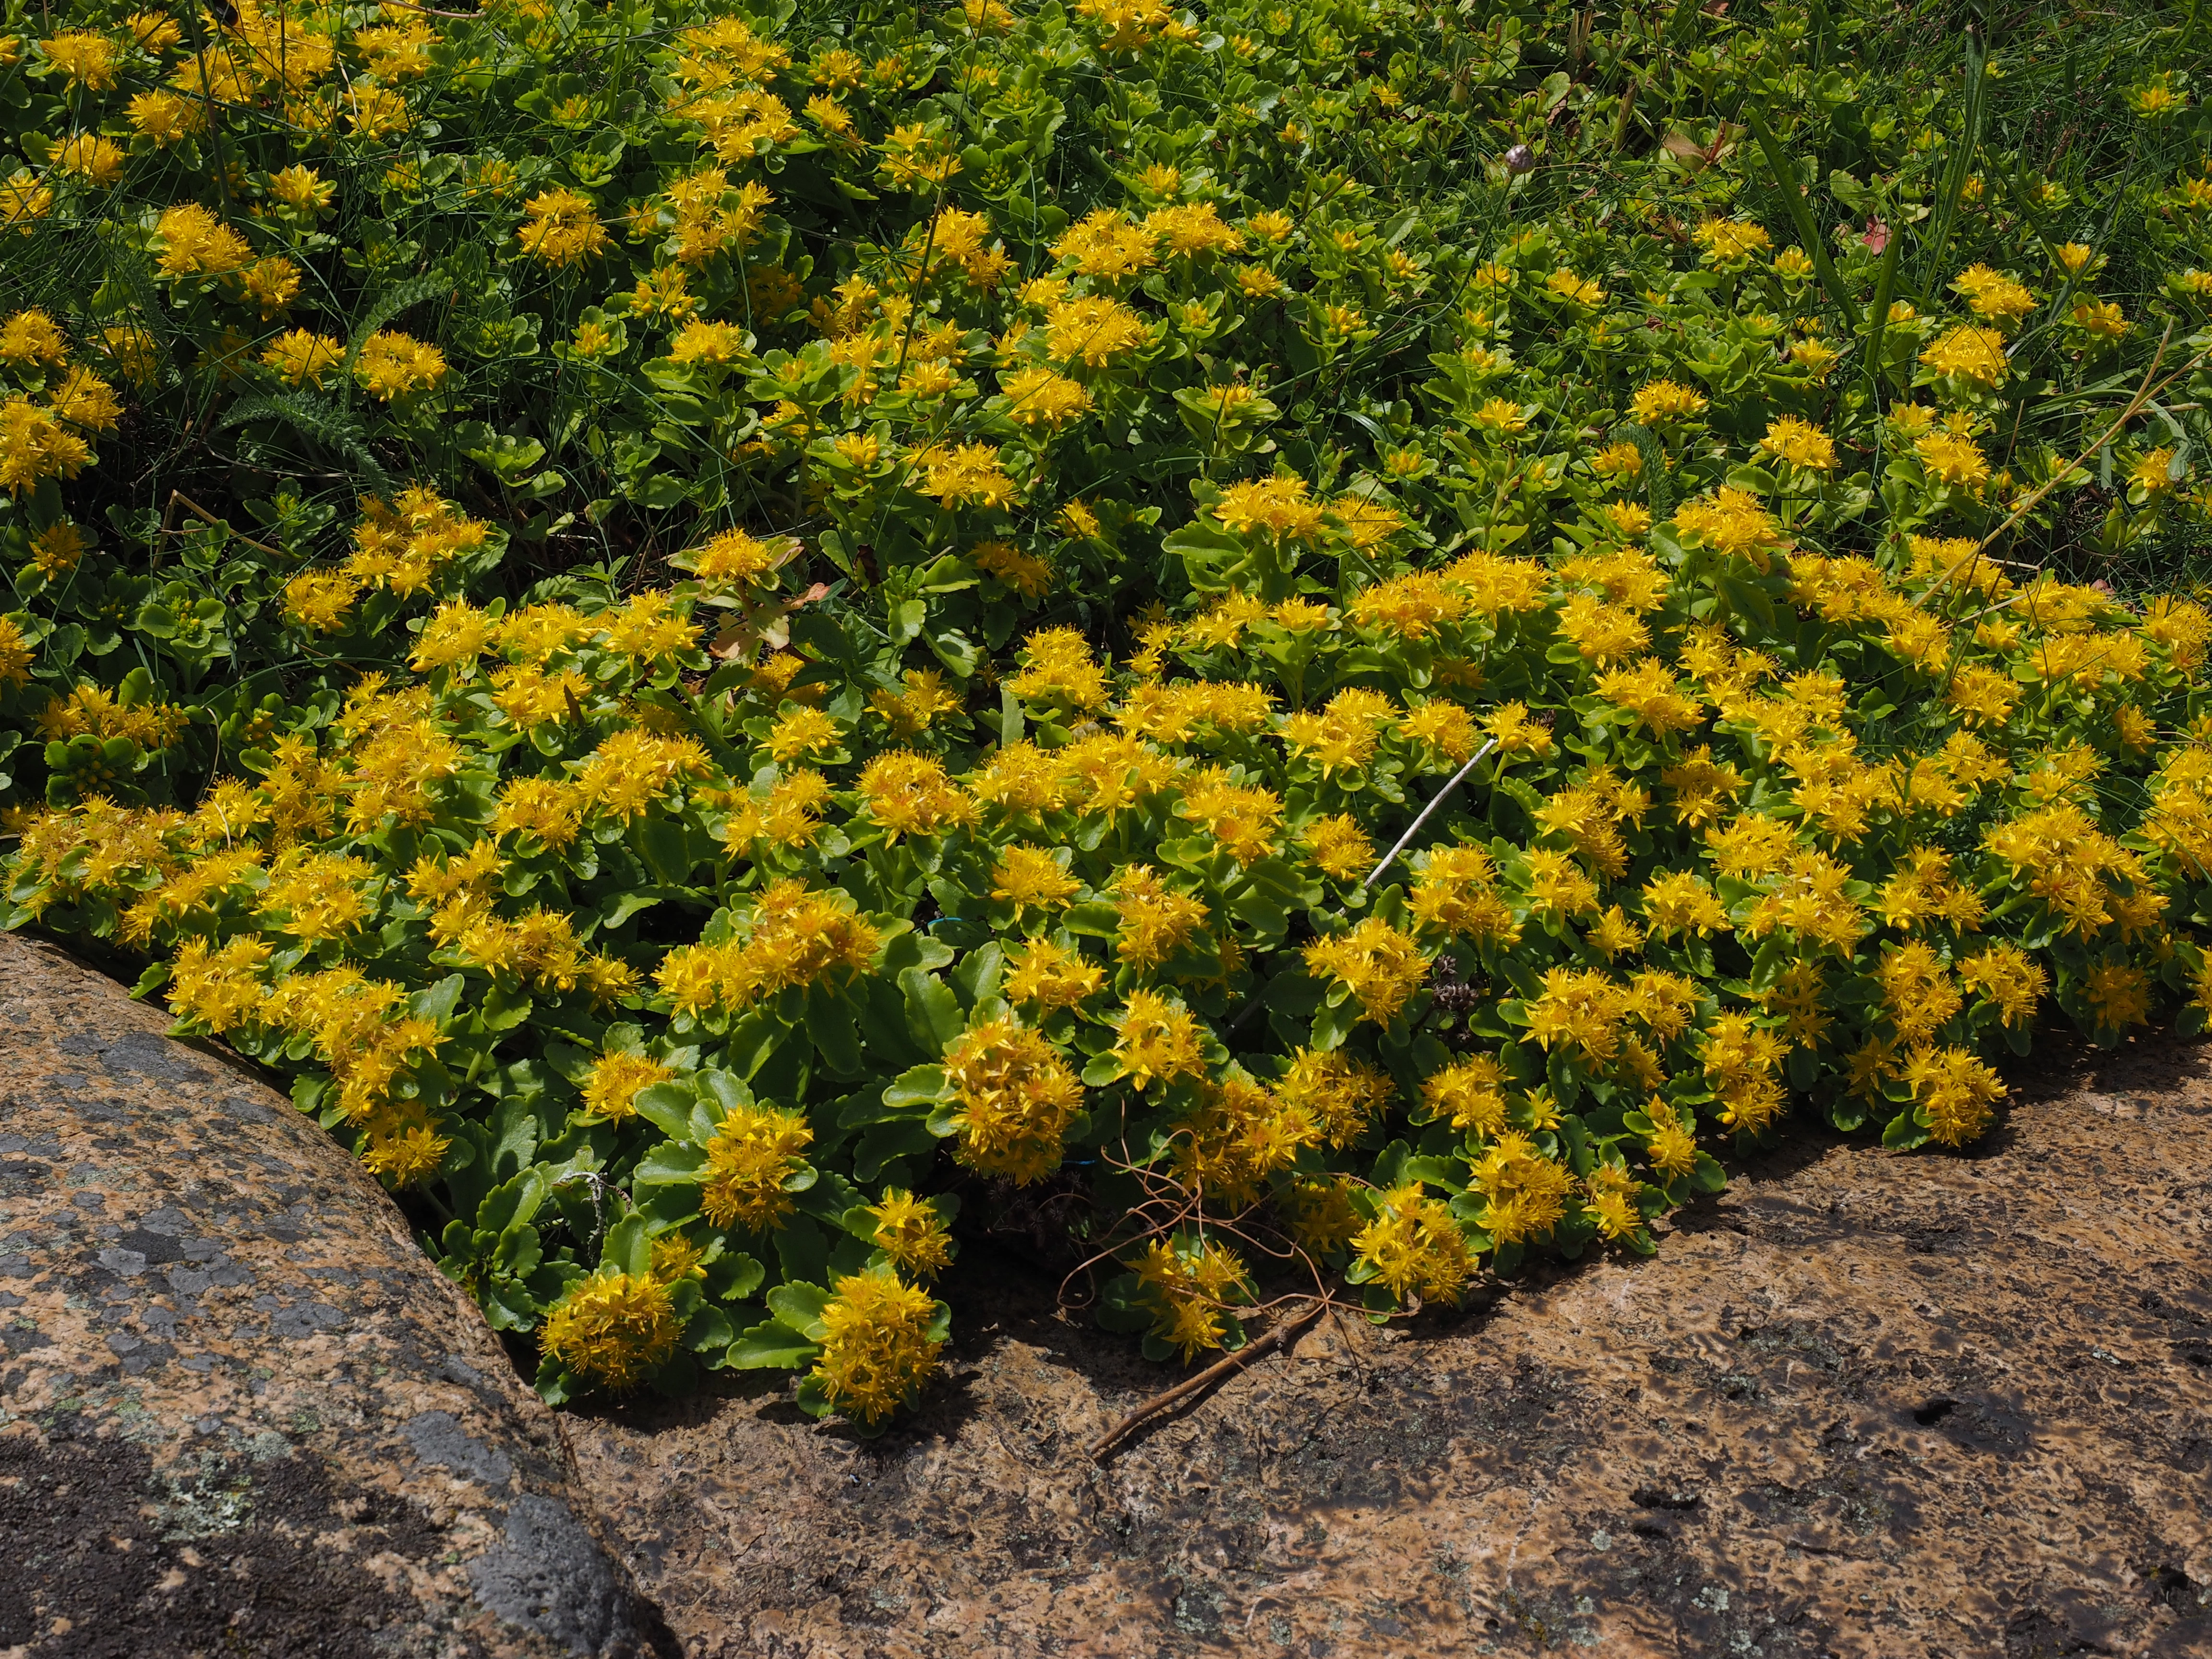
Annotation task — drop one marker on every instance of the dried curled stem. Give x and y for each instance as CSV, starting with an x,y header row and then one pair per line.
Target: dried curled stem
x,y
1279,1336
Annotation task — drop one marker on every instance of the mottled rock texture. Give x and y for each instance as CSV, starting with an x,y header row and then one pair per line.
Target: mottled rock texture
x,y
1863,1404
240,1412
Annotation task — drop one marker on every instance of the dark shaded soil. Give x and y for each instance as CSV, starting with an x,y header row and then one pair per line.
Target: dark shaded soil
x,y
104,1552
1860,1405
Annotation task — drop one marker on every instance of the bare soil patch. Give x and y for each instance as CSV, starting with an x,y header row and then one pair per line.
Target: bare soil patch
x,y
1858,1406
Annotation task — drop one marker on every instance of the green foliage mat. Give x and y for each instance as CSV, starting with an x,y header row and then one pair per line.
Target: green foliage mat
x,y
1362,637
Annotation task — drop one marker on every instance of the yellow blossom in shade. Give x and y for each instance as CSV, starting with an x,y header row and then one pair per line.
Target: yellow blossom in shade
x,y
57,549
24,200
94,159
1189,1283
614,1082
1611,1192
1414,1247
1157,920
1240,1134
1455,893
1954,1093
1319,1213
910,1230
1951,460
1345,1094
1016,1097
562,228
1969,353
1664,403
270,284
374,112
2118,994
614,1328
1378,964
1045,976
2009,978
1025,573
754,1151
2099,318
1801,444
912,710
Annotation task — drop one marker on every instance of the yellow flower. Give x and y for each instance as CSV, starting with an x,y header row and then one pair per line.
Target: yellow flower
x,y
1016,1097
614,1328
1801,444
1729,242
1378,964
910,1230
877,1348
754,1151
1970,354
303,357
1664,403
1951,460
614,1082
1993,296
1046,976
392,365
562,228
1414,1247
91,158
2100,317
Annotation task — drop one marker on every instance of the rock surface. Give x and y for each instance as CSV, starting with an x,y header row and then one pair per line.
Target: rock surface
x,y
1862,1405
240,1412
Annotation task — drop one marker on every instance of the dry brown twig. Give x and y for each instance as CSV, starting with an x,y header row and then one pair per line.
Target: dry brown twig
x,y
1279,1336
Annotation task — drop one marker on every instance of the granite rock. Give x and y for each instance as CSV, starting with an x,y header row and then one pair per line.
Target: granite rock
x,y
1864,1404
241,1411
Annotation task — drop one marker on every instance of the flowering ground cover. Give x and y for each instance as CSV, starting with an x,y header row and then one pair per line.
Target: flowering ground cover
x,y
716,628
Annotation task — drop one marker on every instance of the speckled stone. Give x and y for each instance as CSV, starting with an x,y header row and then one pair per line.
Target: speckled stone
x,y
1864,1404
240,1412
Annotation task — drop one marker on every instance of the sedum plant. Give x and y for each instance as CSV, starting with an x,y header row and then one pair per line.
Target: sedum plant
x,y
719,631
